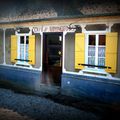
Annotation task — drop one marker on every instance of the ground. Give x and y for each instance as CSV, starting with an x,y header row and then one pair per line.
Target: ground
x,y
39,108
17,106
6,114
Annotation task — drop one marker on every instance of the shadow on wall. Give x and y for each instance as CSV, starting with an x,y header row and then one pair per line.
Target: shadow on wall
x,y
17,88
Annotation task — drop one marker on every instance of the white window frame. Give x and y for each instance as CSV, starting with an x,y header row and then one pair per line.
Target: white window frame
x,y
19,44
18,49
97,33
96,48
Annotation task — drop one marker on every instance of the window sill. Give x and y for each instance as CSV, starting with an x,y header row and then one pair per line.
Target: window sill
x,y
24,64
95,72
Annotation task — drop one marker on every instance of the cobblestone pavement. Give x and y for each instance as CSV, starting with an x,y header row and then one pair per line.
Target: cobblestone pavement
x,y
38,108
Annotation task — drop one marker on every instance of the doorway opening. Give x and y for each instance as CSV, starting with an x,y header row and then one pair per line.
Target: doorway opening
x,y
52,58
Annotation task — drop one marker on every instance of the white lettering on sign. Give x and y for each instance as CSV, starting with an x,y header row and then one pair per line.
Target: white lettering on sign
x,y
52,29
37,29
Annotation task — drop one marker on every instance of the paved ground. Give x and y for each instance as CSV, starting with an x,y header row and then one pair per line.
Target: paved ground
x,y
6,114
38,108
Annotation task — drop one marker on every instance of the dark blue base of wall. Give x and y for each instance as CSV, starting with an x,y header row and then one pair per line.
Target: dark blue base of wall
x,y
100,89
24,78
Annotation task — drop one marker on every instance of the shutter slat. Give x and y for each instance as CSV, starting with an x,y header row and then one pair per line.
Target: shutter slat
x,y
79,50
13,48
111,51
31,53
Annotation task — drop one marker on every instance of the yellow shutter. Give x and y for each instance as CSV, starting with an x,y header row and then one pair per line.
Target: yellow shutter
x,y
13,48
111,51
79,50
32,49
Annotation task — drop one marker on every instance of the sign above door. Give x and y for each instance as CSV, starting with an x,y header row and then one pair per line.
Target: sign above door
x,y
52,29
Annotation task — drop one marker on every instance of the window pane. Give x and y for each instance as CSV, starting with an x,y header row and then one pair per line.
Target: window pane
x,y
27,39
91,51
92,40
101,61
26,52
22,51
27,46
101,39
21,47
22,40
101,52
91,60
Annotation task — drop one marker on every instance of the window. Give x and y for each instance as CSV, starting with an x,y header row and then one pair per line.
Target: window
x,y
23,49
101,50
24,45
91,49
96,50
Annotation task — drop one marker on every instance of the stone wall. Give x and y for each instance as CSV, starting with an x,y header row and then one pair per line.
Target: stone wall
x,y
44,9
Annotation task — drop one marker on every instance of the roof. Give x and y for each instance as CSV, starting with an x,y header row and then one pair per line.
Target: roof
x,y
30,10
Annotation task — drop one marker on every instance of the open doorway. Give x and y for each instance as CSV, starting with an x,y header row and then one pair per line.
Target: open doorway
x,y
52,58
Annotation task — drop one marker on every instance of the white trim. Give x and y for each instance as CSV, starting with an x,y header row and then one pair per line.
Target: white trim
x,y
18,46
96,32
83,28
63,53
24,46
41,64
26,64
92,75
96,49
22,67
109,26
86,47
22,34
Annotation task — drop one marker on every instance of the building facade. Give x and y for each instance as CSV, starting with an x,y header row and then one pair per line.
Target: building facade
x,y
79,54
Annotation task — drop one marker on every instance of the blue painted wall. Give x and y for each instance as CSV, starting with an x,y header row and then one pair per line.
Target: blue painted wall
x,y
20,77
74,85
105,90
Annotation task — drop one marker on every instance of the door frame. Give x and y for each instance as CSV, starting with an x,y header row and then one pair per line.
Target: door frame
x,y
43,45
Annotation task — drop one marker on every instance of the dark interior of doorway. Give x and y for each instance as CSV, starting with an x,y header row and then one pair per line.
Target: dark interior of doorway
x,y
52,58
